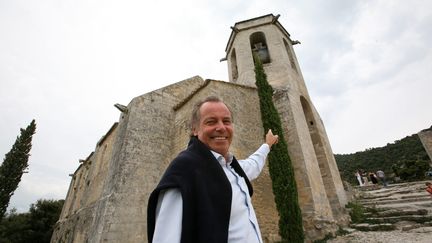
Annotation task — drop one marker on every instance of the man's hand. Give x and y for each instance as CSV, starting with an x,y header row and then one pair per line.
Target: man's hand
x,y
270,138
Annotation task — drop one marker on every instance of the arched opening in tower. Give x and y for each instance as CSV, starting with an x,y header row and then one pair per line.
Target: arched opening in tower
x,y
290,55
234,70
321,155
259,46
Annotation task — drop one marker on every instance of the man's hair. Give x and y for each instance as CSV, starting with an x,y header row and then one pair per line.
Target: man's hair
x,y
196,116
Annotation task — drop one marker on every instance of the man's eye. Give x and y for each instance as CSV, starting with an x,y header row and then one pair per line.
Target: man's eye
x,y
210,122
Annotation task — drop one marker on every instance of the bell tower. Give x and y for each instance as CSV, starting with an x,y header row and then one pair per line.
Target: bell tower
x,y
321,194
266,37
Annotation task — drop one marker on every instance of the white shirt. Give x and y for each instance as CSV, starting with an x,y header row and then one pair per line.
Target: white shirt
x,y
243,225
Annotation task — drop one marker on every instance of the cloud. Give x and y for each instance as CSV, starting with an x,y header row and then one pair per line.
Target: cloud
x,y
36,186
65,63
384,75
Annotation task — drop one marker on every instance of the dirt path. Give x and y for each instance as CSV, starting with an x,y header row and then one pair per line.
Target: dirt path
x,y
419,235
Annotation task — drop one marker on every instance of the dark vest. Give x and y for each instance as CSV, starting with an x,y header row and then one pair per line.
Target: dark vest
x,y
206,194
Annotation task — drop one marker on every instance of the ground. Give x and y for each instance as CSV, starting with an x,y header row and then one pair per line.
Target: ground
x,y
401,197
419,235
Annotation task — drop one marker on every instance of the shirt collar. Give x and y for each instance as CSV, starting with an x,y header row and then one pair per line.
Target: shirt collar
x,y
221,159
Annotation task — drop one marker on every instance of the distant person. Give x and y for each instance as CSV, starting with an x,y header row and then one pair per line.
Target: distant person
x,y
359,178
429,173
429,187
373,178
381,177
364,176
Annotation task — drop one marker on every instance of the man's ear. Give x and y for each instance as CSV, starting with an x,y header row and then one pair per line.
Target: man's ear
x,y
194,131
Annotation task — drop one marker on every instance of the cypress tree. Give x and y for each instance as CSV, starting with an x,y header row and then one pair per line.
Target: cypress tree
x,y
13,166
280,166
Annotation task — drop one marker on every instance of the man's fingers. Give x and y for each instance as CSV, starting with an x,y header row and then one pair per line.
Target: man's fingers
x,y
270,132
271,138
276,138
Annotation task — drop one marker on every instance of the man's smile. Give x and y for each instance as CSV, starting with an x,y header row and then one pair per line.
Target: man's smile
x,y
219,138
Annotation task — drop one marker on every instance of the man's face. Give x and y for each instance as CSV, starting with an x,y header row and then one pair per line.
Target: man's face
x,y
215,127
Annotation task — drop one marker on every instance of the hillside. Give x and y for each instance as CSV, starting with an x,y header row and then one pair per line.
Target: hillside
x,y
406,157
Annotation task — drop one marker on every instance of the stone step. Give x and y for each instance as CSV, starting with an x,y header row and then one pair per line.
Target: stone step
x,y
373,227
388,193
396,212
395,186
396,207
407,227
395,200
387,196
395,219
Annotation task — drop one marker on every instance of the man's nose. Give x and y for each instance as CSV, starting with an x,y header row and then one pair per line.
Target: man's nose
x,y
220,126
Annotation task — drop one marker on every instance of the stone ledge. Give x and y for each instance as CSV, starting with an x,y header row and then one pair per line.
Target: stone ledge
x,y
373,227
394,219
395,212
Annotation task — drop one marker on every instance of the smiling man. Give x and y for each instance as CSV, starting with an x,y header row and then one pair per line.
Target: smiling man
x,y
205,193
213,126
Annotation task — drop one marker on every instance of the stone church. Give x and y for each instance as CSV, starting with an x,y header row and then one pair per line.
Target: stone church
x,y
107,198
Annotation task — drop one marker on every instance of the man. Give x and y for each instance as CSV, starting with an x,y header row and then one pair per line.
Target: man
x,y
382,178
205,194
429,187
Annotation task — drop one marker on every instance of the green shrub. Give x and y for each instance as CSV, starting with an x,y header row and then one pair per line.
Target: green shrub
x,y
280,166
357,212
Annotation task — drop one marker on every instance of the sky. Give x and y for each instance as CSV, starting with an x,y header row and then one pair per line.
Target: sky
x,y
367,65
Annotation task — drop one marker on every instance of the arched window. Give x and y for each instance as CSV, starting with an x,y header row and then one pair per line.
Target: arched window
x,y
290,56
259,46
234,71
